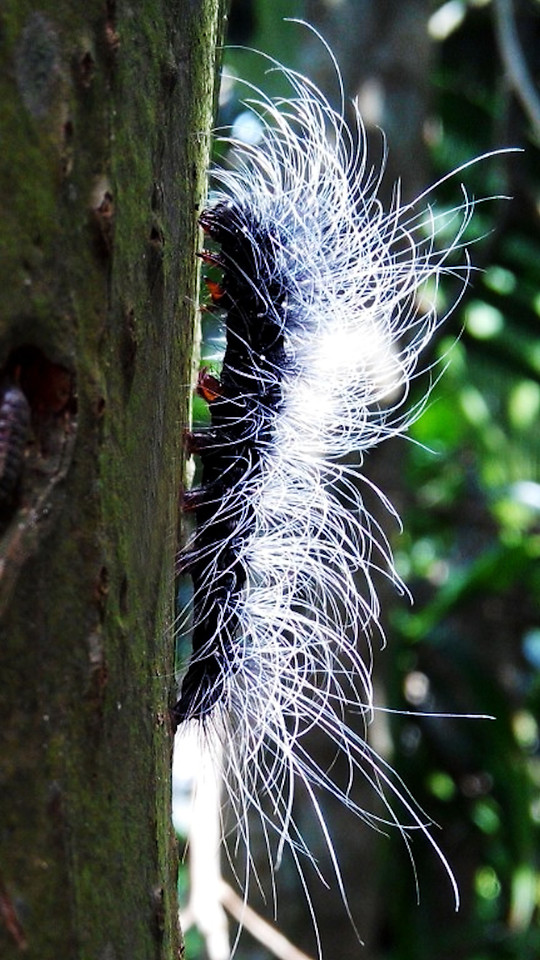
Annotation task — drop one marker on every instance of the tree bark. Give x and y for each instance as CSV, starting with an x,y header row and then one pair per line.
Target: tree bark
x,y
105,113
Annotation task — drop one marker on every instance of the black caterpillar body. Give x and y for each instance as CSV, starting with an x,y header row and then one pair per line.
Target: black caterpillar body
x,y
243,406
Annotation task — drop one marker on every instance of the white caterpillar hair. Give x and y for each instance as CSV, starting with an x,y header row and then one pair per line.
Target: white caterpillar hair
x,y
329,301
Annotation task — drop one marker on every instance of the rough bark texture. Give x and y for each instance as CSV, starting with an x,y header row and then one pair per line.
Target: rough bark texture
x,y
105,110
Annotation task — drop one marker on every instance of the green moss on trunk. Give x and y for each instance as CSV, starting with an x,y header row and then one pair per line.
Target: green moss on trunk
x,y
105,113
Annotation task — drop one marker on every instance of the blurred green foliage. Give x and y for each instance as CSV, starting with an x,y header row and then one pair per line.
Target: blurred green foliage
x,y
470,550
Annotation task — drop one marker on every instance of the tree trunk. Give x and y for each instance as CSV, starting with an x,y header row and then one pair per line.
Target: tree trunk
x,y
105,113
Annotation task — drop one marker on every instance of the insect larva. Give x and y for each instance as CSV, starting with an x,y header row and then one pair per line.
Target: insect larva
x,y
14,424
328,302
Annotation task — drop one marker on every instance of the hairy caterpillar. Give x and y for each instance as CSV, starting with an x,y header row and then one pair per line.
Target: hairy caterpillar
x,y
328,302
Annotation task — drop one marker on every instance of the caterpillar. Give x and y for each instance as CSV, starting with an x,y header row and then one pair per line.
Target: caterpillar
x,y
14,424
328,302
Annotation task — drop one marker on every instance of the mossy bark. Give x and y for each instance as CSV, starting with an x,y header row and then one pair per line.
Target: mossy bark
x,y
105,113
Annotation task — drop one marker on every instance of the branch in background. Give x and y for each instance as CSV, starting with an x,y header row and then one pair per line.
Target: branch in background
x,y
515,63
209,893
258,927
